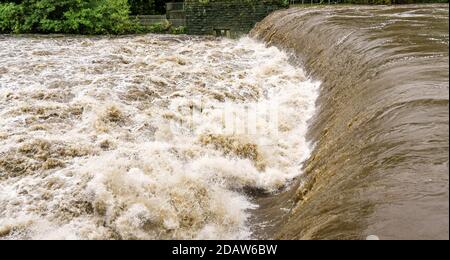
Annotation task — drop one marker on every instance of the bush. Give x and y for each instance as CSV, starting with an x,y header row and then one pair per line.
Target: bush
x,y
106,16
178,30
67,16
157,28
10,17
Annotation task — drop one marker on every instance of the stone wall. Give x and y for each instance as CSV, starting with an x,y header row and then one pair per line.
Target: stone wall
x,y
225,18
151,19
176,14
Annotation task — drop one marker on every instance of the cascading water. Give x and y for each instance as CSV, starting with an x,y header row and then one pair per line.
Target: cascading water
x,y
163,137
380,166
149,137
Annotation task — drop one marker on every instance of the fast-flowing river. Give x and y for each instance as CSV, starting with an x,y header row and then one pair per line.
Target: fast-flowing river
x,y
145,137
324,123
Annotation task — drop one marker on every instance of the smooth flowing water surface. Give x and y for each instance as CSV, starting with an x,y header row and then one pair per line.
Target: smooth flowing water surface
x,y
380,166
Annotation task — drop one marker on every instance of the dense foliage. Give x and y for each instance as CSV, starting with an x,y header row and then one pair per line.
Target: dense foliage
x,y
66,16
80,16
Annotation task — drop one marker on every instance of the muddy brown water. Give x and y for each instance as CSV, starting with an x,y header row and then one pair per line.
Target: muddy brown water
x,y
380,164
145,137
325,123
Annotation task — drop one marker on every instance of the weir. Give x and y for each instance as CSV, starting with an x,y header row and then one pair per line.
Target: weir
x,y
380,163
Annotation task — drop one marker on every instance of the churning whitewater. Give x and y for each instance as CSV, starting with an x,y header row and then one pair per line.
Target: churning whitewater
x,y
145,137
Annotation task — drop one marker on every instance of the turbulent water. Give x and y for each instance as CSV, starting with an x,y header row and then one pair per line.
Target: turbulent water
x,y
145,137
381,163
163,137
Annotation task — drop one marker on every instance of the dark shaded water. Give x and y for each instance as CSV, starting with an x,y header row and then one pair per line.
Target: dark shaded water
x,y
381,161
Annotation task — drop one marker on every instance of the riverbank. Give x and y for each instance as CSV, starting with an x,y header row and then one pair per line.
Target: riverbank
x,y
76,17
113,17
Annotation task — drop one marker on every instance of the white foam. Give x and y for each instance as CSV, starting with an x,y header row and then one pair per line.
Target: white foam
x,y
131,137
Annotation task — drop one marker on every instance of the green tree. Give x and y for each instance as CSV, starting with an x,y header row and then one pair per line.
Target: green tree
x,y
66,16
